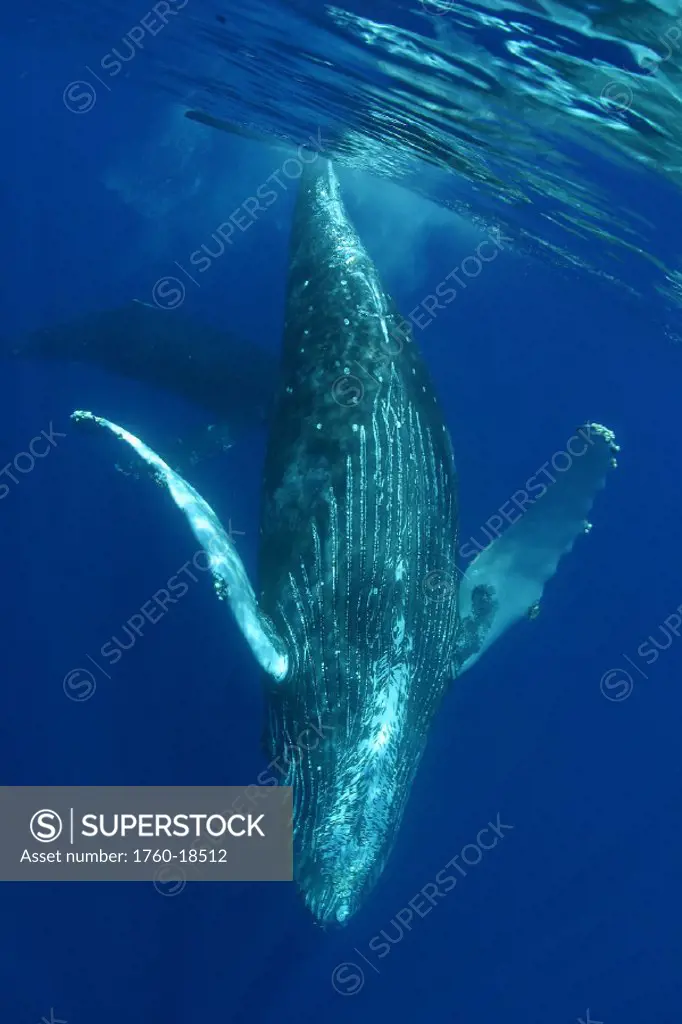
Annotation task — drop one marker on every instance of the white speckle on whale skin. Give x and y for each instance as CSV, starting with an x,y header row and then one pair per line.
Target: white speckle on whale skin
x,y
318,426
346,321
290,391
306,332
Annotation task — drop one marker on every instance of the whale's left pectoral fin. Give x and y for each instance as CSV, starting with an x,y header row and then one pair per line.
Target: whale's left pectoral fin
x,y
227,567
504,583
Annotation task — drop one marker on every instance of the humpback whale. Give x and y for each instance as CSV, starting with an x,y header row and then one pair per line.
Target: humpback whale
x,y
361,618
230,380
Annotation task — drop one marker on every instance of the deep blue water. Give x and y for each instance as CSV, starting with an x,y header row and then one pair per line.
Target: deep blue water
x,y
579,906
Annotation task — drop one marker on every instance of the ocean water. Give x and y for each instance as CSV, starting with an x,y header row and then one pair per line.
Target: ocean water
x,y
554,127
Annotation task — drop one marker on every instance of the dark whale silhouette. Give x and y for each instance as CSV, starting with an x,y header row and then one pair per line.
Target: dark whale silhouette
x,y
362,617
231,380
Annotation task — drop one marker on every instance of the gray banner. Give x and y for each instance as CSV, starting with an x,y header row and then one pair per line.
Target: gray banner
x,y
165,834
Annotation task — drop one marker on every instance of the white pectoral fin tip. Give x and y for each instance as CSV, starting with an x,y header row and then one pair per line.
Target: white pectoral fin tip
x,y
519,562
227,567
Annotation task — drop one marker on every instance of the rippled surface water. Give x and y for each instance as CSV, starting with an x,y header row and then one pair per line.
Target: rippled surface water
x,y
559,121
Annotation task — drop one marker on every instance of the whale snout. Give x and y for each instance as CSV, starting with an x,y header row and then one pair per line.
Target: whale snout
x,y
330,898
339,871
347,824
338,917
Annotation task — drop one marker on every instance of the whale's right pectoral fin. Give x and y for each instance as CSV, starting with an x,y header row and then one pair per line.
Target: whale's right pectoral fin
x,y
504,583
227,567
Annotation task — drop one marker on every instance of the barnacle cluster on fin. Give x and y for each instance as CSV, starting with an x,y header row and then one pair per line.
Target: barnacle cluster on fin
x,y
608,436
83,418
474,626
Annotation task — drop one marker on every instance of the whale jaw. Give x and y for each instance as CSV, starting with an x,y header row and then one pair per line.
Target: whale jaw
x,y
343,847
352,787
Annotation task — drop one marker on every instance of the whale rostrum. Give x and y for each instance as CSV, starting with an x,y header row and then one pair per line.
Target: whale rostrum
x,y
362,617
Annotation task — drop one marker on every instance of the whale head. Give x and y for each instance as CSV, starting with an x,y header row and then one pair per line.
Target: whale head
x,y
352,774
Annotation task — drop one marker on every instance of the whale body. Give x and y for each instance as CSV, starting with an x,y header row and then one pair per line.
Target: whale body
x,y
230,380
359,506
362,618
